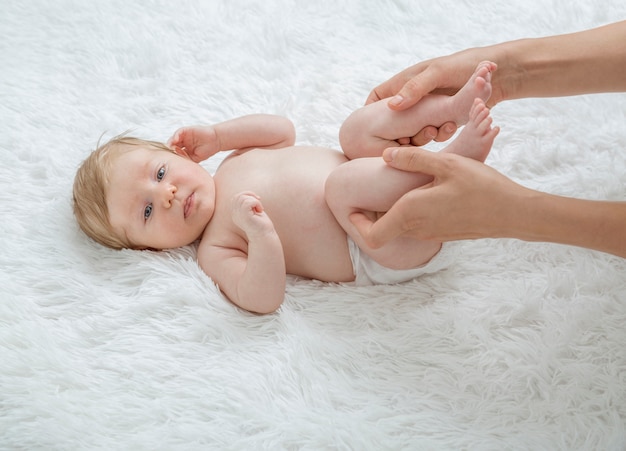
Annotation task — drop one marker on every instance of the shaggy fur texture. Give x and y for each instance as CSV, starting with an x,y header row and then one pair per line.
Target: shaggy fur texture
x,y
515,346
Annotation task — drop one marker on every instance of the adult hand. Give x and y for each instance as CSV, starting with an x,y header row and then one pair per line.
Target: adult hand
x,y
430,133
442,75
577,63
466,199
470,200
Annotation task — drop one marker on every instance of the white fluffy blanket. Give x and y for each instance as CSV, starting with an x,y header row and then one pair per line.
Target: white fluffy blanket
x,y
516,346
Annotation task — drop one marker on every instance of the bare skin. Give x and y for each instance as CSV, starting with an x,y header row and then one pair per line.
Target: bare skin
x,y
273,208
278,211
385,125
585,62
469,200
354,201
491,205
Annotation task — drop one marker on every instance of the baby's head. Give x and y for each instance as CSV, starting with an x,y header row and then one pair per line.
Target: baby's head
x,y
139,194
90,189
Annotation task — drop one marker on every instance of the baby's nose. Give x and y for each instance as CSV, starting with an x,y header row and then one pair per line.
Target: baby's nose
x,y
168,195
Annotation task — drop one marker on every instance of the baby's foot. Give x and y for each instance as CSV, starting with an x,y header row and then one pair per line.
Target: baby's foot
x,y
478,86
476,138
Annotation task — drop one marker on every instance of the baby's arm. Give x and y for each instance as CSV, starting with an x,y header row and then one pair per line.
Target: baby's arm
x,y
254,280
253,131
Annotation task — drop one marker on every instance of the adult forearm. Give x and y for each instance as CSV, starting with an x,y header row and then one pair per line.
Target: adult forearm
x,y
585,62
599,225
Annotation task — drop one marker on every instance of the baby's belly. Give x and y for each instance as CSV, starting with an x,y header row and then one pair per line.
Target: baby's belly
x,y
322,256
314,244
290,183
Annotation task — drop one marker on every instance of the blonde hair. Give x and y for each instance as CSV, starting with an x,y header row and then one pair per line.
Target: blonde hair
x,y
90,184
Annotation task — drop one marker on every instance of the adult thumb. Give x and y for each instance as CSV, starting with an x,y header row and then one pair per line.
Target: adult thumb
x,y
414,159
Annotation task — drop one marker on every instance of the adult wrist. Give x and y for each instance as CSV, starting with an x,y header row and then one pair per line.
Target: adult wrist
x,y
515,60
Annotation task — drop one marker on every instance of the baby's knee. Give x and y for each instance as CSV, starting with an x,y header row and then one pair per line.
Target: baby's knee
x,y
359,131
348,132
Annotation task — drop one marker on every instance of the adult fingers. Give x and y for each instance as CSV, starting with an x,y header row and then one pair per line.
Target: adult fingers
x,y
363,224
374,96
446,131
377,234
432,133
415,159
395,222
424,136
413,90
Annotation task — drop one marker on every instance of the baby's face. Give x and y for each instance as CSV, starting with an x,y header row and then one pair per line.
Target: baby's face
x,y
158,199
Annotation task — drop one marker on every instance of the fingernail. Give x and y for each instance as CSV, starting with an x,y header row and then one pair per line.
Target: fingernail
x,y
448,129
396,100
429,135
390,154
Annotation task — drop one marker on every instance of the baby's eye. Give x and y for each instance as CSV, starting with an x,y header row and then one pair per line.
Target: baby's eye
x,y
161,173
147,211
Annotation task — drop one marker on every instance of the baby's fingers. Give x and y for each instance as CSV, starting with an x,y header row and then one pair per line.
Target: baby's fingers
x,y
183,137
248,202
174,140
249,215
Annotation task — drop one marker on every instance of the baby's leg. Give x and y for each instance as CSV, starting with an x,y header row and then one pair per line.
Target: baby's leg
x,y
476,138
371,187
371,129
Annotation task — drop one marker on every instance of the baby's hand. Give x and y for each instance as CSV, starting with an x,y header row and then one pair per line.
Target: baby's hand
x,y
197,142
248,214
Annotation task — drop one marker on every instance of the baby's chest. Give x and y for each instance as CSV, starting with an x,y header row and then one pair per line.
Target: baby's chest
x,y
293,206
296,207
285,190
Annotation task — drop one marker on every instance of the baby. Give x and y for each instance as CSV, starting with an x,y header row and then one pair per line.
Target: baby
x,y
273,208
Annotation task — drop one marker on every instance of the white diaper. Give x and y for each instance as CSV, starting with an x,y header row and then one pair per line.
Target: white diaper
x,y
369,272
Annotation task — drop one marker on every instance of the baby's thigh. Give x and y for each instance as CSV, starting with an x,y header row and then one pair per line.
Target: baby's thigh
x,y
369,184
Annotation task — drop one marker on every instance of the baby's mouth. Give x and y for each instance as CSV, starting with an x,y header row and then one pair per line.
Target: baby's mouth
x,y
188,204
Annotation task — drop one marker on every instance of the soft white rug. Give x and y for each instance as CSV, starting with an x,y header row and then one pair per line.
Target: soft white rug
x,y
516,346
